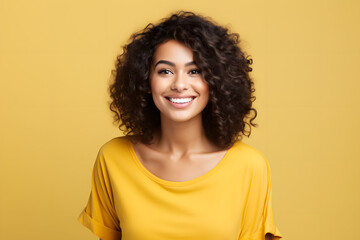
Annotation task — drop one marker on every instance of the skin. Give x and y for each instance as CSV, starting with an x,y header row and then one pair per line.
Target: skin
x,y
180,151
268,236
174,73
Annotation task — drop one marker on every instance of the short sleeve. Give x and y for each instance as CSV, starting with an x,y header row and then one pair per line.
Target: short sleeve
x,y
99,214
258,215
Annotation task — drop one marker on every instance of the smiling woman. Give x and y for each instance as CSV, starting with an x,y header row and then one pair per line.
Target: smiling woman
x,y
183,97
178,89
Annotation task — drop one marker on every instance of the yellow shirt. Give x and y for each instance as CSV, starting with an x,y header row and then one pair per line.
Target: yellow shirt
x,y
230,202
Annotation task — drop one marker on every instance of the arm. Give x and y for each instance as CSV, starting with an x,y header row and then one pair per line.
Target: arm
x,y
268,236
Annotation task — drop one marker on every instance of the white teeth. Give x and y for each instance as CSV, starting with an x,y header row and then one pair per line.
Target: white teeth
x,y
180,100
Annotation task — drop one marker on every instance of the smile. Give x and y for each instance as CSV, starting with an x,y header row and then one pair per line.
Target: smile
x,y
180,100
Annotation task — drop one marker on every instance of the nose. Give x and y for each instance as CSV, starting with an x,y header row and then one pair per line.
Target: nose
x,y
180,83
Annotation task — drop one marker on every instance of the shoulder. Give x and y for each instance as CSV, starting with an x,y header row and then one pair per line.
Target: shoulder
x,y
113,153
249,156
119,146
116,144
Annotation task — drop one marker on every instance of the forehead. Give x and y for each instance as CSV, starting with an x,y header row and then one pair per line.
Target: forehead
x,y
173,51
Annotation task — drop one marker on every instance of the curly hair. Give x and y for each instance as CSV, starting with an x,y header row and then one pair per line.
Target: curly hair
x,y
225,67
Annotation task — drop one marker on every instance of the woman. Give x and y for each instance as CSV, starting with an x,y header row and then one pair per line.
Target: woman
x,y
183,95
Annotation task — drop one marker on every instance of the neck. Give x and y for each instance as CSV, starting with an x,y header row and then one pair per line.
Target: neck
x,y
183,137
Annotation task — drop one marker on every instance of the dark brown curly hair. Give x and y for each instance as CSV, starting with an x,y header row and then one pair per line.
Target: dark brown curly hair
x,y
225,67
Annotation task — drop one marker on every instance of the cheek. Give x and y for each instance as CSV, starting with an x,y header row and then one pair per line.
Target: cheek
x,y
157,89
207,91
155,85
204,91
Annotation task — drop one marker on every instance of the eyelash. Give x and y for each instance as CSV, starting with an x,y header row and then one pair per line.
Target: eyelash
x,y
167,71
164,71
194,71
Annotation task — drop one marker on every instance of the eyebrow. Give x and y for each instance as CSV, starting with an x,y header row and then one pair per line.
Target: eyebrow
x,y
173,64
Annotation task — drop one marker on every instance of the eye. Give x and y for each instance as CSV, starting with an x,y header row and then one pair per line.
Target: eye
x,y
194,71
164,71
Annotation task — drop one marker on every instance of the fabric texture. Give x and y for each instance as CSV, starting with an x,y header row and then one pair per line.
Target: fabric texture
x,y
230,202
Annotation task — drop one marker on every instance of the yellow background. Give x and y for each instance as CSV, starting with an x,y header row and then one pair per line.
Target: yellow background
x,y
55,63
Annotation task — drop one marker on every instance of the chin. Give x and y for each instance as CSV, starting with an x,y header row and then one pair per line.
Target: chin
x,y
179,117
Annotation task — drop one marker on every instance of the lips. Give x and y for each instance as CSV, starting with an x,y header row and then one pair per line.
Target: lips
x,y
180,100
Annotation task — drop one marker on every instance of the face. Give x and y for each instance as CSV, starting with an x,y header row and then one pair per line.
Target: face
x,y
178,88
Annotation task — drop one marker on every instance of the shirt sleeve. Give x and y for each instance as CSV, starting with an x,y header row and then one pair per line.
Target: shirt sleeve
x,y
258,215
99,214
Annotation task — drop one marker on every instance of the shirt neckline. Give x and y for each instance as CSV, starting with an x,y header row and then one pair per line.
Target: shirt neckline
x,y
173,183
